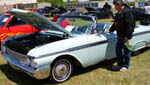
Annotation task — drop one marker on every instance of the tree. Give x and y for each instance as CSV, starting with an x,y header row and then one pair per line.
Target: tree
x,y
69,1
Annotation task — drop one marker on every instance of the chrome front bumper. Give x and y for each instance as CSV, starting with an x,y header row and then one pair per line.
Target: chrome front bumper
x,y
37,73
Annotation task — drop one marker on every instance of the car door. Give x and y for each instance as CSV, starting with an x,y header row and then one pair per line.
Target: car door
x,y
102,44
111,45
17,27
97,47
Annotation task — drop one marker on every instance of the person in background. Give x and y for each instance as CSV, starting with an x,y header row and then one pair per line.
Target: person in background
x,y
107,6
124,26
147,14
40,11
147,9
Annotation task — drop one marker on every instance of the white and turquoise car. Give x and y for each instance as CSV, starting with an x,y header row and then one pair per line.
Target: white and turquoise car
x,y
53,51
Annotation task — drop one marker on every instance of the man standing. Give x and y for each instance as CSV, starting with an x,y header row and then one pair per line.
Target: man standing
x,y
124,25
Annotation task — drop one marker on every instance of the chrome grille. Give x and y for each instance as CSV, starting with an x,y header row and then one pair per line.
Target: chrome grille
x,y
15,55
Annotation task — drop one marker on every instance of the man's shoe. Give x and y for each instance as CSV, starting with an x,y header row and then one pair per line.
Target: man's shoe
x,y
123,69
116,68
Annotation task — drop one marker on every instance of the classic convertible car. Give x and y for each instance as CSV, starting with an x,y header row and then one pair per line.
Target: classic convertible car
x,y
53,52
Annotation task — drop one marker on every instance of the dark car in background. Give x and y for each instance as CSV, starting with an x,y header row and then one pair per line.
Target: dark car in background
x,y
53,11
58,11
46,10
100,13
139,15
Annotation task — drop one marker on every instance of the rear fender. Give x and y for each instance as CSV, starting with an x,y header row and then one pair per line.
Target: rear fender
x,y
139,45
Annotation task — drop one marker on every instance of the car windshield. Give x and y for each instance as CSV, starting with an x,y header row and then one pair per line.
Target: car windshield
x,y
3,19
76,24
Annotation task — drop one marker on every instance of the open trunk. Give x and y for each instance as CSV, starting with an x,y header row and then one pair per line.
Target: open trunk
x,y
24,44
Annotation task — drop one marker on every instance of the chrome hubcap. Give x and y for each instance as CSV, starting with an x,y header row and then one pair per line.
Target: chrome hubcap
x,y
61,70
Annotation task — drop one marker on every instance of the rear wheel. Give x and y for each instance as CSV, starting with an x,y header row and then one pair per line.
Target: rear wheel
x,y
61,71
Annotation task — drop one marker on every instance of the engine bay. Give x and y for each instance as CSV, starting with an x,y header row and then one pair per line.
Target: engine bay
x,y
24,44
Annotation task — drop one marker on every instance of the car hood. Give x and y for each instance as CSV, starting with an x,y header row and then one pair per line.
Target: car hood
x,y
38,21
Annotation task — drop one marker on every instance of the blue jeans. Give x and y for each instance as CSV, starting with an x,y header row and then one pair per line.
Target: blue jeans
x,y
123,54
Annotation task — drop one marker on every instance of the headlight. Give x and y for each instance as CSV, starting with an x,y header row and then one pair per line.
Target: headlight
x,y
30,61
34,64
26,61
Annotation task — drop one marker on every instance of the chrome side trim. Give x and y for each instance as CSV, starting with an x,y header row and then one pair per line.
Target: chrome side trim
x,y
140,33
76,48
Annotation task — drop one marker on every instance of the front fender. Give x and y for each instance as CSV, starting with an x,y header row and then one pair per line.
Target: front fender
x,y
48,60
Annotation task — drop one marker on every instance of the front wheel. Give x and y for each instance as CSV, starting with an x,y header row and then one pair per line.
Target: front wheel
x,y
61,71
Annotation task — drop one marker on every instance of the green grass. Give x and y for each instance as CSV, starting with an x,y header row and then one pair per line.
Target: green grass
x,y
100,74
111,21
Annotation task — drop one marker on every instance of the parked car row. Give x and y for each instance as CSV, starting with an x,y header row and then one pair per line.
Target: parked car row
x,y
53,11
53,52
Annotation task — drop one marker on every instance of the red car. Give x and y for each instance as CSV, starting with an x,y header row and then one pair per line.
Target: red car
x,y
13,26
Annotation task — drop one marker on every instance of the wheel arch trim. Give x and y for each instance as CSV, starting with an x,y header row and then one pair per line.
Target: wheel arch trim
x,y
134,48
68,56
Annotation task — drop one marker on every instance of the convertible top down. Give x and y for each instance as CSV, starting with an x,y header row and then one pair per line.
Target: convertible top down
x,y
54,51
